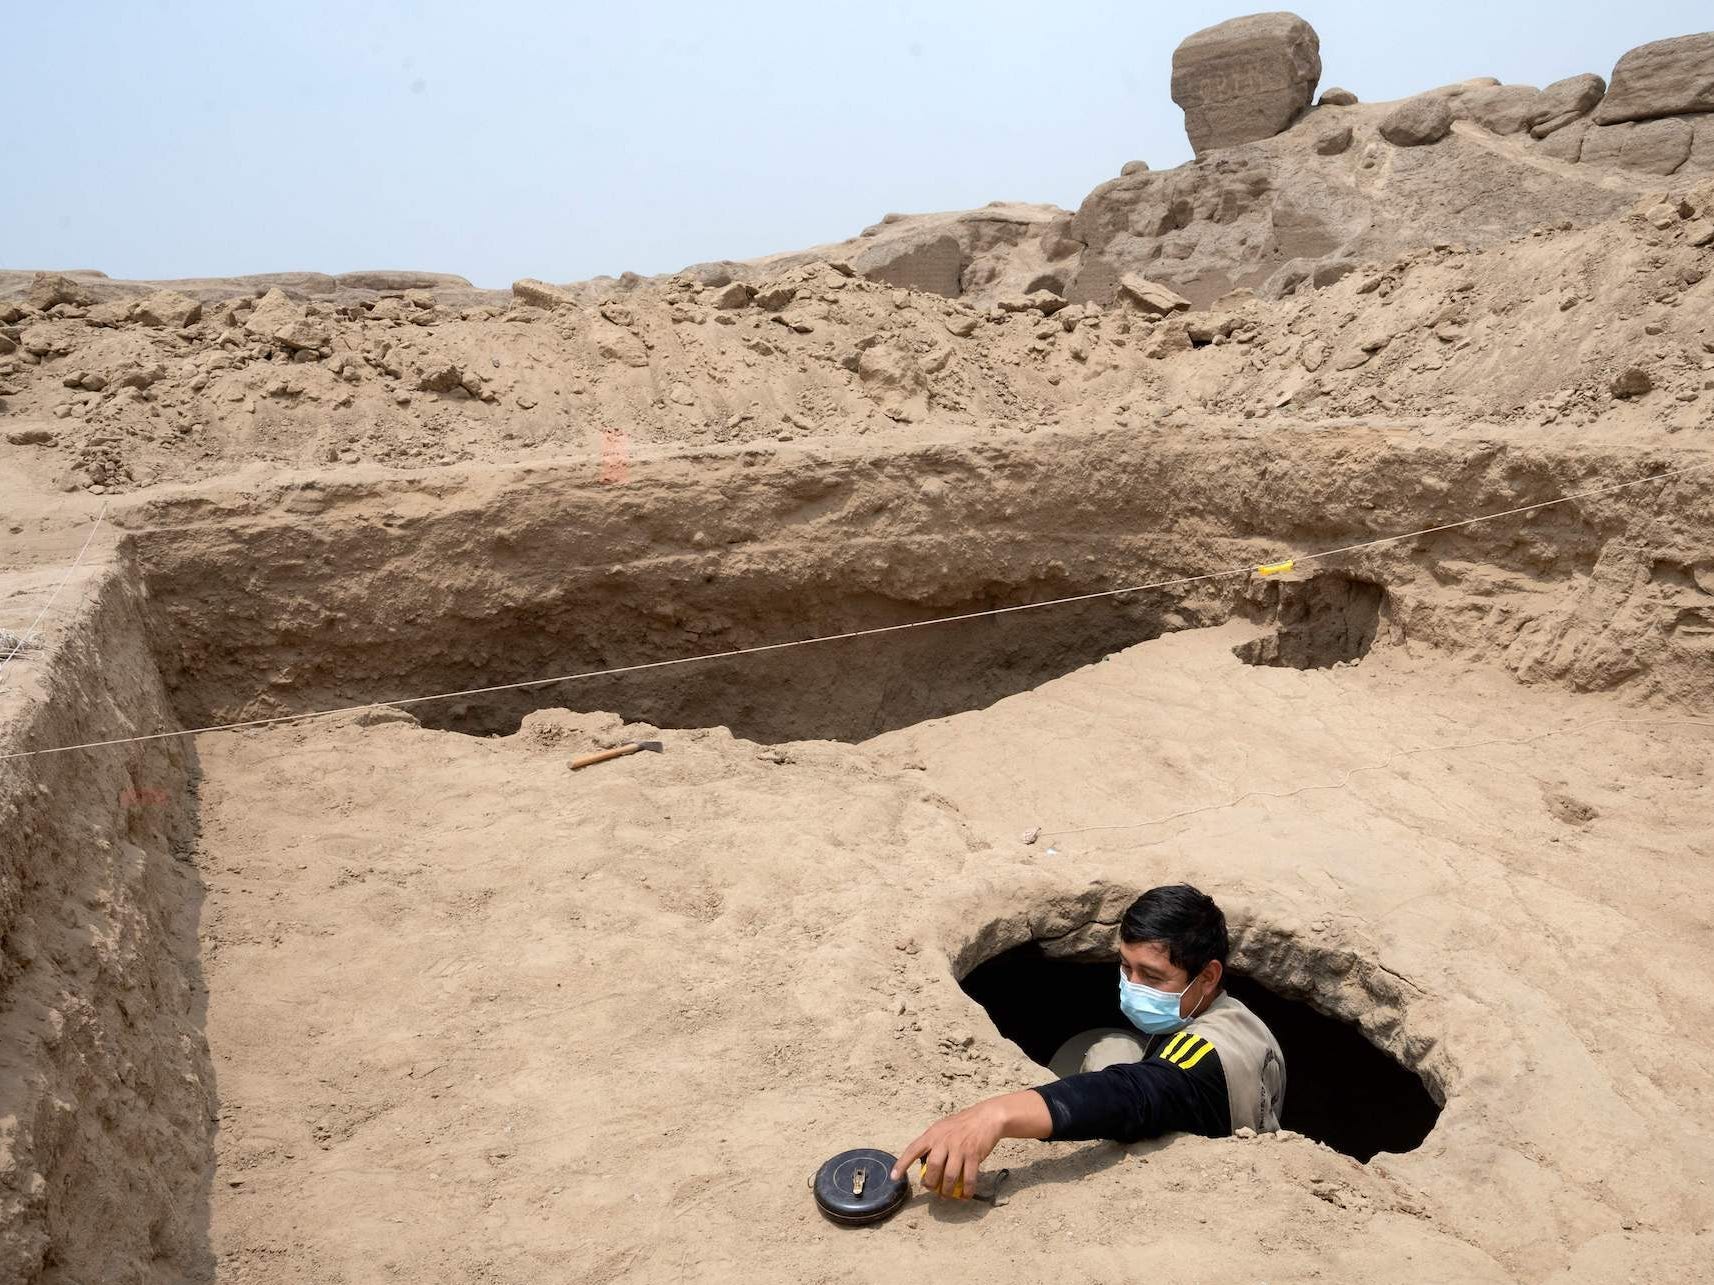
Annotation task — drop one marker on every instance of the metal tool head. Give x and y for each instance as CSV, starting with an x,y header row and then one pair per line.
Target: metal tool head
x,y
656,746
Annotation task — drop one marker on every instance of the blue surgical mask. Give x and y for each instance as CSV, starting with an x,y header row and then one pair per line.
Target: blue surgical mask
x,y
1147,1009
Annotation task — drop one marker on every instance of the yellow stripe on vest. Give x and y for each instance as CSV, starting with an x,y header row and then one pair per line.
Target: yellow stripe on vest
x,y
1184,1048
1173,1043
1195,1057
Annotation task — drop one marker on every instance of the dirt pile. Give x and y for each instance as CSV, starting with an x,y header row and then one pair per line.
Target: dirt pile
x,y
1537,328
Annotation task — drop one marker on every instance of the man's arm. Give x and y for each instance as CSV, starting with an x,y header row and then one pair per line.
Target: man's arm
x,y
953,1149
1132,1100
1136,1100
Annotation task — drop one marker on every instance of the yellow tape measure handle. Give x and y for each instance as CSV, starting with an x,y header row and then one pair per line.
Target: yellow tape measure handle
x,y
1276,568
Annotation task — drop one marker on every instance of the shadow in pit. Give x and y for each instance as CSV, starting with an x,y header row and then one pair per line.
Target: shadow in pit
x,y
847,690
1340,1088
185,941
1320,621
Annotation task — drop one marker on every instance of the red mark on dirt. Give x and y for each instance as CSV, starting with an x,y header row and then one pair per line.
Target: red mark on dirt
x,y
615,457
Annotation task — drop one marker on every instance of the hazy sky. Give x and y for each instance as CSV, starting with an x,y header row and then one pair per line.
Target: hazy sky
x,y
152,138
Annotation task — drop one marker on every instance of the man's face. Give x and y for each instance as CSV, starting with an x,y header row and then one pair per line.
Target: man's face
x,y
1146,964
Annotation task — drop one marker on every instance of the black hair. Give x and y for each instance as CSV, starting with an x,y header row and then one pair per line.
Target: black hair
x,y
1184,920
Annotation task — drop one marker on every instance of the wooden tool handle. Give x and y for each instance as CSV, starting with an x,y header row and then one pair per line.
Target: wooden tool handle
x,y
590,759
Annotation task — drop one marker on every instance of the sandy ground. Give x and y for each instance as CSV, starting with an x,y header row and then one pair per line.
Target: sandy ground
x,y
474,1017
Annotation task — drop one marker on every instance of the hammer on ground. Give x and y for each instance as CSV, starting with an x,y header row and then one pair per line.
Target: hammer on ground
x,y
618,751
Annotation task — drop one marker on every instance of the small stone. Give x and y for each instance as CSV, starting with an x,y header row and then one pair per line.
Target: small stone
x,y
539,294
31,437
963,325
1133,167
1417,121
1045,302
141,377
1662,216
1633,382
775,296
440,378
1700,233
734,294
167,308
1152,297
622,346
1032,834
1336,97
1334,141
1244,1131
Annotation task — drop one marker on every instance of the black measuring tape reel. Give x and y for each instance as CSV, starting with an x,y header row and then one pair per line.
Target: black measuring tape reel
x,y
857,1187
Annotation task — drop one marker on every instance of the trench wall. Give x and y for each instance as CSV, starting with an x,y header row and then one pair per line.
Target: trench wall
x,y
330,591
105,1088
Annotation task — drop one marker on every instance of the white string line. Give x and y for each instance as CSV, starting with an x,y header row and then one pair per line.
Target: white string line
x,y
1345,779
1489,517
24,638
1245,570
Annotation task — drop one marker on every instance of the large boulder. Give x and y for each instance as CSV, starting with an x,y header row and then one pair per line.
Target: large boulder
x,y
1662,78
931,261
1499,109
1427,118
1565,101
1151,296
277,319
50,288
167,308
1245,79
1701,149
1650,146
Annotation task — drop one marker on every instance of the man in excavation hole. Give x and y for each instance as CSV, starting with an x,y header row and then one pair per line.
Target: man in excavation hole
x,y
1197,1060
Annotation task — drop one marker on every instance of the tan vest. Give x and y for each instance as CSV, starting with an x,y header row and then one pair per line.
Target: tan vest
x,y
1251,1059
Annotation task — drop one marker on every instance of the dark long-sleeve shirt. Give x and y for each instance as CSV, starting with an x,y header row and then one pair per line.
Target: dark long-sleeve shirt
x,y
1179,1088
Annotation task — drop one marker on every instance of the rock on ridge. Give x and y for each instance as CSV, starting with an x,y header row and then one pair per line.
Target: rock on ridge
x,y
1663,78
1245,79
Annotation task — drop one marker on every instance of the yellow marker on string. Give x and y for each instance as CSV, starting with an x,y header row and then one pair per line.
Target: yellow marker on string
x,y
1276,568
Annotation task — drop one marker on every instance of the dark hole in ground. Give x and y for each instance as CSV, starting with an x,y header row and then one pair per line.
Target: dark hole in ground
x,y
1318,622
1340,1089
847,690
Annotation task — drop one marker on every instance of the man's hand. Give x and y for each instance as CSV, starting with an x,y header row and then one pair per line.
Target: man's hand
x,y
953,1149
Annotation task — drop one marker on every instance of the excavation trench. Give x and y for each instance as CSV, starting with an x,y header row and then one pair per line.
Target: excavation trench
x,y
225,604
328,593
